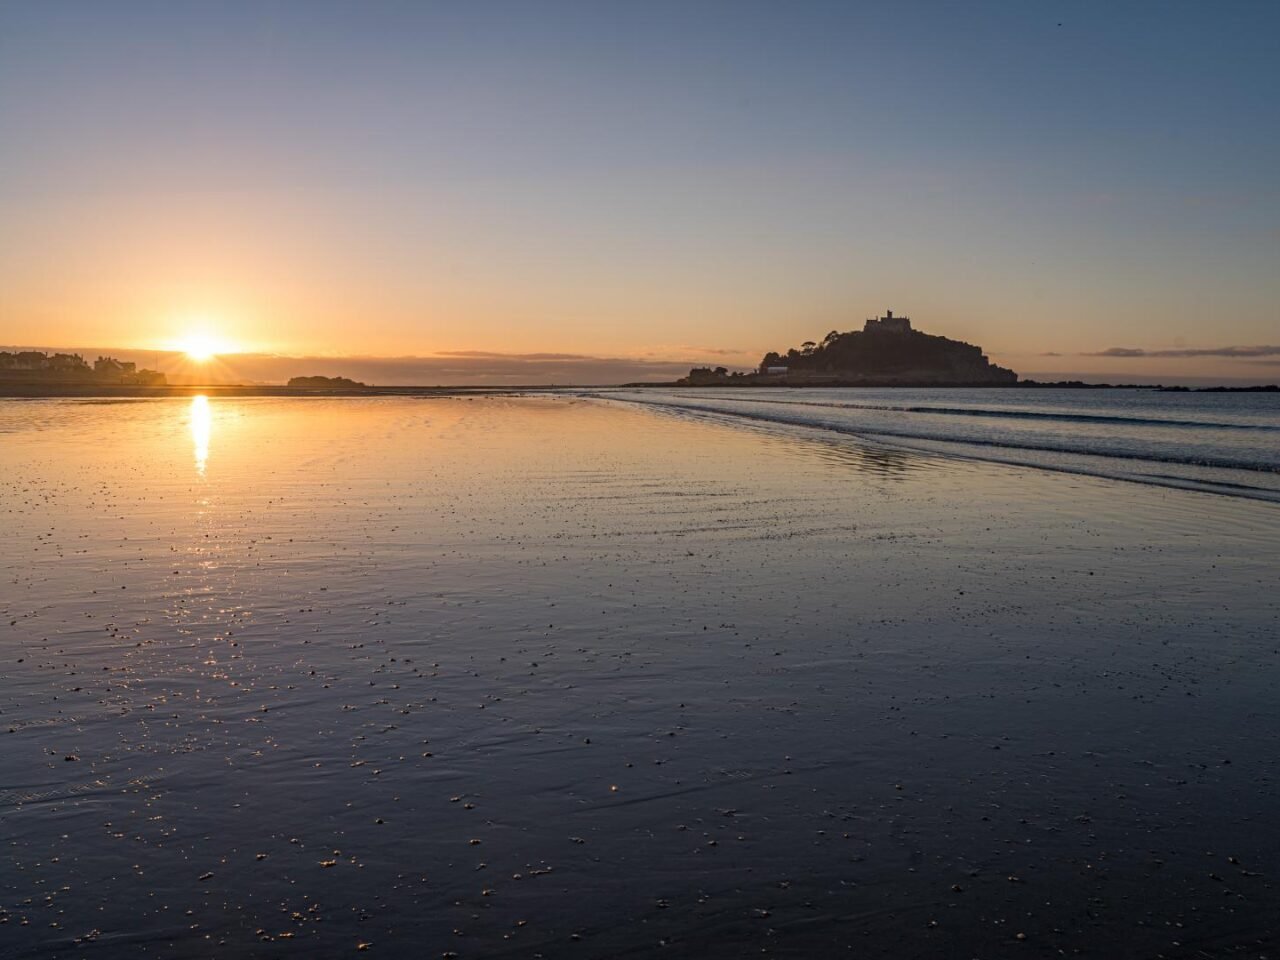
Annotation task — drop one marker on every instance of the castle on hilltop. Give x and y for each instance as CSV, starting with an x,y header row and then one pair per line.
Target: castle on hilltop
x,y
887,324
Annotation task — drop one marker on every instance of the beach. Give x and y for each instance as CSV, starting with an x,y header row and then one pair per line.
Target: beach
x,y
570,675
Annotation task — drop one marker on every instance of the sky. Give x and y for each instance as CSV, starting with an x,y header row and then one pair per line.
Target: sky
x,y
1080,188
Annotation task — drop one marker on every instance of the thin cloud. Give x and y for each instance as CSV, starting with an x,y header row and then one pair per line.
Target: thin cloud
x,y
667,351
717,351
1256,351
496,355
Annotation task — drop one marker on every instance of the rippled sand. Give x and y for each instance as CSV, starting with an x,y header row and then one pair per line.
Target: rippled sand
x,y
520,677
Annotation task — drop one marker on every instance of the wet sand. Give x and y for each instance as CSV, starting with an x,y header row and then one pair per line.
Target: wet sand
x,y
542,677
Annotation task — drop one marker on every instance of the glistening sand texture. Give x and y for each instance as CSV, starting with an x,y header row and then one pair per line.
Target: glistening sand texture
x,y
505,677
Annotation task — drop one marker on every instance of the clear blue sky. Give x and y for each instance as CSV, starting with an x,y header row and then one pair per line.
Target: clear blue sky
x,y
643,179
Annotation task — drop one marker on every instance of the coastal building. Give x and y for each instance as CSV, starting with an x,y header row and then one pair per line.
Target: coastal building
x,y
33,360
111,367
24,360
67,362
887,324
35,366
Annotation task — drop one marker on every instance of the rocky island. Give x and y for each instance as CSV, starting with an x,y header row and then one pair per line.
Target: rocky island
x,y
328,383
885,352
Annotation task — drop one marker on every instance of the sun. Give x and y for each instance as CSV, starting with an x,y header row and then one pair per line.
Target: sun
x,y
201,346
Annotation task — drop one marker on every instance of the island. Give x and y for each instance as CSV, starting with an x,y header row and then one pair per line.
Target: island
x,y
327,383
885,352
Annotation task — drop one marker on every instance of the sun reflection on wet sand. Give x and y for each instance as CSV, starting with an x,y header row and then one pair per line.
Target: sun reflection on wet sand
x,y
201,428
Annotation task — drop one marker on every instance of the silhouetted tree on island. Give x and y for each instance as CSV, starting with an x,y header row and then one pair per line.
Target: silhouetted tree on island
x,y
706,375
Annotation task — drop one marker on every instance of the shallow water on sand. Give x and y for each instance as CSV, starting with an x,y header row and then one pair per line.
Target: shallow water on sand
x,y
1226,443
520,677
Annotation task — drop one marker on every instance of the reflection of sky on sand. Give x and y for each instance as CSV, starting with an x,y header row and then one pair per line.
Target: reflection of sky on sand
x,y
877,460
201,429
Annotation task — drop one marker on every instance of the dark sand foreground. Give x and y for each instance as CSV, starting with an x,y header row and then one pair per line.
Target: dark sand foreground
x,y
541,677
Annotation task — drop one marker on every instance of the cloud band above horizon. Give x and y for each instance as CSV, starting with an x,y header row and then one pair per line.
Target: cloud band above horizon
x,y
1242,352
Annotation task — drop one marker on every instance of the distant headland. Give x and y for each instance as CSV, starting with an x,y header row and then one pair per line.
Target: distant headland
x,y
885,352
330,383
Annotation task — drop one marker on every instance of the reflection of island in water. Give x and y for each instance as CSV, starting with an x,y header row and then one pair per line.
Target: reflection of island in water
x,y
886,352
34,365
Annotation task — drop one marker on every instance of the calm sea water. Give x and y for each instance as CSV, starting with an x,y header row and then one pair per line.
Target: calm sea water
x,y
1225,442
522,677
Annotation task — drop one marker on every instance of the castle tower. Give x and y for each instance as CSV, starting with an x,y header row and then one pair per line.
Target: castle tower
x,y
887,324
